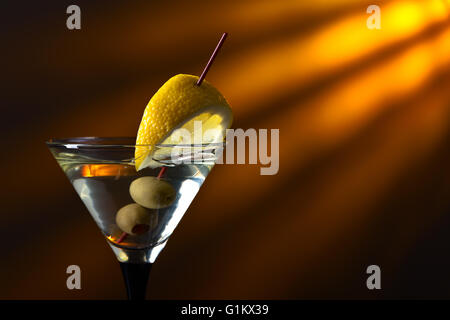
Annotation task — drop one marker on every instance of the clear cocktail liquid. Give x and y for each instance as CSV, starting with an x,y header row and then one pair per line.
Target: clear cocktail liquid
x,y
104,189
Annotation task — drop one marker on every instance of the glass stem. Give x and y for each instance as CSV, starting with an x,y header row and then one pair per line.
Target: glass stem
x,y
136,278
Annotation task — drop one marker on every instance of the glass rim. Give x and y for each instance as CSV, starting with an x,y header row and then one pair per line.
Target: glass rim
x,y
84,142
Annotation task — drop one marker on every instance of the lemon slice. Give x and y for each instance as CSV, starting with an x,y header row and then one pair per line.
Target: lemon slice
x,y
178,104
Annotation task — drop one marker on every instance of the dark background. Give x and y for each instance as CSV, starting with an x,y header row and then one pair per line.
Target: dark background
x,y
364,119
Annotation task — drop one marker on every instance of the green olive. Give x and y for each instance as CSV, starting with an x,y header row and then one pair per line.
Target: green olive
x,y
135,219
152,193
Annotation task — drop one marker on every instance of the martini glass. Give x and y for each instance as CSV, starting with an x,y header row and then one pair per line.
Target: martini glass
x,y
101,171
